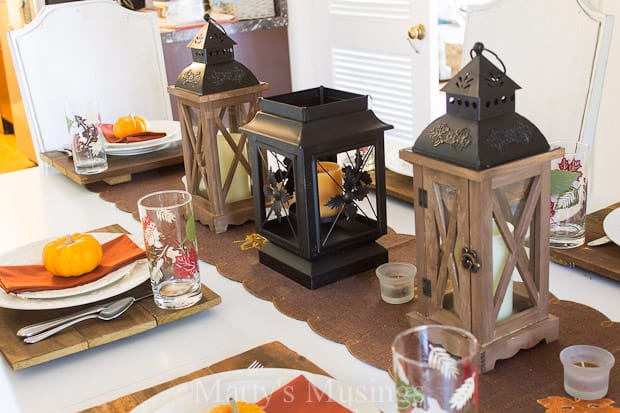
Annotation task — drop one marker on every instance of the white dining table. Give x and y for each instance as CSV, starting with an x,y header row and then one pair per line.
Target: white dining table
x,y
40,203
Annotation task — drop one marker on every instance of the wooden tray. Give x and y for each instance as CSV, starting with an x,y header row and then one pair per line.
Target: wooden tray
x,y
120,168
274,354
141,316
603,260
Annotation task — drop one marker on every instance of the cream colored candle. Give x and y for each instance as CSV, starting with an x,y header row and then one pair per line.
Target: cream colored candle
x,y
329,181
240,186
500,255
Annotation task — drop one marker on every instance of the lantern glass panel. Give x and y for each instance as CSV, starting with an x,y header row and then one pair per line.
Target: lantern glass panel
x,y
514,286
279,218
449,235
342,196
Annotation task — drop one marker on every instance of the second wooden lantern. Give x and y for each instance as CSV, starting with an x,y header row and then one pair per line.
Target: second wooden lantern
x,y
216,95
482,183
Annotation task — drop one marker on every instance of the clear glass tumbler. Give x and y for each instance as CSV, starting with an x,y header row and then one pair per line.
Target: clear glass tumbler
x,y
169,233
569,193
87,140
436,369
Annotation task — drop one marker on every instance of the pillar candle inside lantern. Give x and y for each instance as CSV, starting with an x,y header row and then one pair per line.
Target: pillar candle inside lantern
x,y
240,185
329,181
500,255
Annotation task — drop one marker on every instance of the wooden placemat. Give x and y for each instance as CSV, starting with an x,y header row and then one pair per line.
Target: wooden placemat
x,y
141,316
120,168
603,260
351,311
274,354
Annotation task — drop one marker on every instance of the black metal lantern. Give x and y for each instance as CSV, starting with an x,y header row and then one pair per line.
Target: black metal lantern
x,y
310,153
481,128
215,96
481,176
213,68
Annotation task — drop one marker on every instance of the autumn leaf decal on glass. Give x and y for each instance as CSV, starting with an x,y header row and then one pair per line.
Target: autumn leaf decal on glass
x,y
165,252
567,185
85,134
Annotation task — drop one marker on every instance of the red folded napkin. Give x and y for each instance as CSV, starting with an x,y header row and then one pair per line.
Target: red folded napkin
x,y
108,132
300,396
116,253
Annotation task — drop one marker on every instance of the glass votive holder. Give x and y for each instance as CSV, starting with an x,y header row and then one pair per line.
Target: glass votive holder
x,y
396,280
586,371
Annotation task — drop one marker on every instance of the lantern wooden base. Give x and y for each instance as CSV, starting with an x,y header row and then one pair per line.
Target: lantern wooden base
x,y
327,269
235,213
507,346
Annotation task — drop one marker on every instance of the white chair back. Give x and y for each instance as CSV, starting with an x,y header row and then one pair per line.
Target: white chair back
x,y
88,50
556,50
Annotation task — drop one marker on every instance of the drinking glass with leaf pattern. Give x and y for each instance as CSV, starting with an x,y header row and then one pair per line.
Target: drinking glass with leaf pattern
x,y
436,369
569,192
169,232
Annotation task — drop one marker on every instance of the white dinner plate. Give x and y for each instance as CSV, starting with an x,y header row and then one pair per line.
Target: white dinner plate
x,y
249,385
611,226
172,129
392,159
115,283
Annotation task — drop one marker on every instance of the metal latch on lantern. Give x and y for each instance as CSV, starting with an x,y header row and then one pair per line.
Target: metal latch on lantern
x,y
469,259
422,198
426,287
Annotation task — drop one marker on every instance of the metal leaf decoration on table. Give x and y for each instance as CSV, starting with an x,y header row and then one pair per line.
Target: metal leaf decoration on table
x,y
355,188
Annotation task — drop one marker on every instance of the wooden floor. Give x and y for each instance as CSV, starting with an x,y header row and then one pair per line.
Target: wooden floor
x,y
10,158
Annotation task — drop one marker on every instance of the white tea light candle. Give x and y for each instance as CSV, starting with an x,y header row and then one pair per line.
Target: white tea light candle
x,y
396,280
586,371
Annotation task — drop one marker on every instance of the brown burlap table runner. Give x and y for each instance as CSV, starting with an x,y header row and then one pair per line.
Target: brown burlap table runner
x,y
351,311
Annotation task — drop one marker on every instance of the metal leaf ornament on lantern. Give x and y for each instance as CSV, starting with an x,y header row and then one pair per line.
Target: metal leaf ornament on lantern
x,y
355,187
277,192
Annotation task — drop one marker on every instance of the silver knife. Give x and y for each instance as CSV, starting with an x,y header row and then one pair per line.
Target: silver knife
x,y
36,328
599,241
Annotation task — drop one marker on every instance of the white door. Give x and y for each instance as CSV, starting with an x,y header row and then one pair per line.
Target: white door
x,y
362,46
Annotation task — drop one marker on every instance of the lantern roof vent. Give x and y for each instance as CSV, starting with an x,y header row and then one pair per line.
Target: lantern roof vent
x,y
214,68
480,128
480,90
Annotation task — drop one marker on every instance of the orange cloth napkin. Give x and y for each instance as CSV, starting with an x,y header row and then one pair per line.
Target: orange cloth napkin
x,y
300,396
116,253
108,132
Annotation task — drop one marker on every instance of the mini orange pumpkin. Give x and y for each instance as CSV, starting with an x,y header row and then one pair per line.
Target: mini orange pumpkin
x,y
243,407
129,125
73,255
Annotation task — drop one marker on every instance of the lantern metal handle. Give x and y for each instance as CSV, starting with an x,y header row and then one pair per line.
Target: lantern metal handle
x,y
469,259
417,32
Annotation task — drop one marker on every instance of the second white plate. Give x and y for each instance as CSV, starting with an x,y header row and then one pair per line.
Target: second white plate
x,y
248,385
611,226
173,135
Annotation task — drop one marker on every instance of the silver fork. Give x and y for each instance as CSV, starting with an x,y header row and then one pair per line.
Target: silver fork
x,y
256,365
